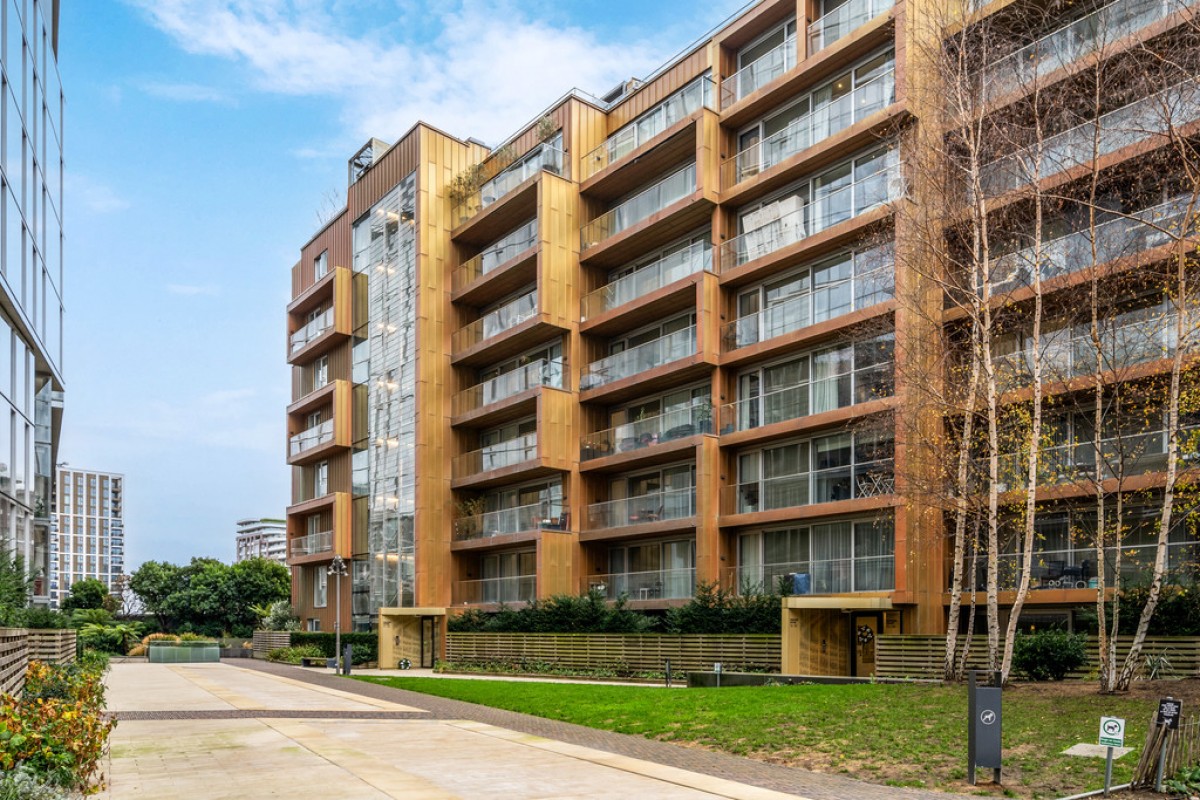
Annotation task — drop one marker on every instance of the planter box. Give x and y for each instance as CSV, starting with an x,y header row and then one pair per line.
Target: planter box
x,y
184,653
51,646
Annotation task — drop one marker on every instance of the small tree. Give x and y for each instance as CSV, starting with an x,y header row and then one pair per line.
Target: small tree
x,y
87,593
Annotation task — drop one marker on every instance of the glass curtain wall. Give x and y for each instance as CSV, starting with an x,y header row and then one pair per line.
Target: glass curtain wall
x,y
384,242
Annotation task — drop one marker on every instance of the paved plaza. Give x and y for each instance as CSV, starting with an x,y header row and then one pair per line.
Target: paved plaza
x,y
245,728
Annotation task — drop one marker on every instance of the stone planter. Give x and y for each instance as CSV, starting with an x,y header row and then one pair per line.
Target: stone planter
x,y
185,653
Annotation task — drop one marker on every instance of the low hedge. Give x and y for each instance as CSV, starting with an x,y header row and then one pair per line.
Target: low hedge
x,y
365,646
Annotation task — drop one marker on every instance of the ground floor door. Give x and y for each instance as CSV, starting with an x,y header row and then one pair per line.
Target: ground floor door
x,y
429,629
864,629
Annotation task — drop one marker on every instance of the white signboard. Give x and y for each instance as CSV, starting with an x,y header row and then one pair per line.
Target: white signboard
x,y
1112,732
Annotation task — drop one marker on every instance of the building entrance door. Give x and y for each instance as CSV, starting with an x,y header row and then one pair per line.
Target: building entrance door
x,y
429,630
864,630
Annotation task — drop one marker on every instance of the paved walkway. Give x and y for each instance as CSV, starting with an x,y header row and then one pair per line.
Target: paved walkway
x,y
227,731
746,772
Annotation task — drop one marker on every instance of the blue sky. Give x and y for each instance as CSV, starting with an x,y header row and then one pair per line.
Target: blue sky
x,y
203,138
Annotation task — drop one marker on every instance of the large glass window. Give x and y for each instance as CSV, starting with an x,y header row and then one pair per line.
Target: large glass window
x,y
824,469
832,557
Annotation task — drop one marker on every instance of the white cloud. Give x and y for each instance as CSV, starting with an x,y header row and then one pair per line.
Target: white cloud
x,y
185,92
475,49
192,290
93,195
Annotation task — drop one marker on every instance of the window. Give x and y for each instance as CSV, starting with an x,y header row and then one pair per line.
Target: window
x,y
652,570
320,587
320,372
833,557
840,466
509,577
314,625
321,265
321,479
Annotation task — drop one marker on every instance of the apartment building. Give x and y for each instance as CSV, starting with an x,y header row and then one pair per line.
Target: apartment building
x,y
671,336
88,531
261,538
31,281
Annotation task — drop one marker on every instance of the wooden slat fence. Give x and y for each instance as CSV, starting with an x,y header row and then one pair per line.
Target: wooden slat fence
x,y
14,658
266,641
914,656
625,652
51,646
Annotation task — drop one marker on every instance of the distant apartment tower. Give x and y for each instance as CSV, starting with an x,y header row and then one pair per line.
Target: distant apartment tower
x,y
31,282
89,531
262,538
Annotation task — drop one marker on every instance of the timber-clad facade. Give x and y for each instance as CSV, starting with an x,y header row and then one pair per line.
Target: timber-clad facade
x,y
681,335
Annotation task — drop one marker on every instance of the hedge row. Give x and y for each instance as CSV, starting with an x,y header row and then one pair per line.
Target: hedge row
x,y
366,645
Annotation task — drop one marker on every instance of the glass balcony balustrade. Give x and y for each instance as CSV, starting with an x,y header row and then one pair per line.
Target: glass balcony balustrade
x,y
641,358
1116,238
658,584
641,206
1075,568
696,95
811,128
757,74
548,515
643,509
814,396
843,21
544,157
542,372
312,437
672,267
496,456
1131,124
314,328
804,219
678,423
518,589
850,482
1132,454
500,252
496,321
1072,42
818,576
313,544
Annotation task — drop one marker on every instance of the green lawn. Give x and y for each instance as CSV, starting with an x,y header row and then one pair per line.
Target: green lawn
x,y
892,734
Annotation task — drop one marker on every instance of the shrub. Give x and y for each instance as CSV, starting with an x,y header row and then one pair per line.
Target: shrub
x,y
23,783
713,610
292,655
45,619
590,613
364,646
1049,655
57,731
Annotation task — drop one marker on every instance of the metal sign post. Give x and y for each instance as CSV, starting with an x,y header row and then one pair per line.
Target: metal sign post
x,y
1112,734
668,673
1167,719
717,669
983,730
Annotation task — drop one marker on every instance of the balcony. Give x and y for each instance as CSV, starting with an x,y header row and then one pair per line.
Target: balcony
x,y
496,322
642,434
873,479
312,544
1120,237
502,183
310,439
1134,453
542,372
519,589
676,107
658,584
1136,337
810,129
1135,123
309,333
647,509
843,21
502,253
549,515
677,186
873,382
752,77
646,280
800,220
656,353
1075,568
817,576
1084,36
497,456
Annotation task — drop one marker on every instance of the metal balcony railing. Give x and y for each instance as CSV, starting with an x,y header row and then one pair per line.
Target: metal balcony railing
x,y
641,358
504,249
496,456
678,423
695,258
495,322
542,372
517,589
766,68
547,515
842,21
643,509
849,482
658,584
642,205
818,576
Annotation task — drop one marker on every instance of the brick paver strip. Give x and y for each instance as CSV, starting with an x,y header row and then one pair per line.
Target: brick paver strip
x,y
815,785
263,713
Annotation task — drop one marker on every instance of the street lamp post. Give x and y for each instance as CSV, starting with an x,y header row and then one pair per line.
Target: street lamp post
x,y
337,568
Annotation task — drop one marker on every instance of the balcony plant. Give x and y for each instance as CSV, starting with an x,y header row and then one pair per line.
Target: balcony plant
x,y
467,513
703,415
464,186
546,128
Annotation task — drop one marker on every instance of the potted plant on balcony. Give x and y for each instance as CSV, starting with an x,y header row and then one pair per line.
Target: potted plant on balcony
x,y
464,186
703,417
467,517
546,128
